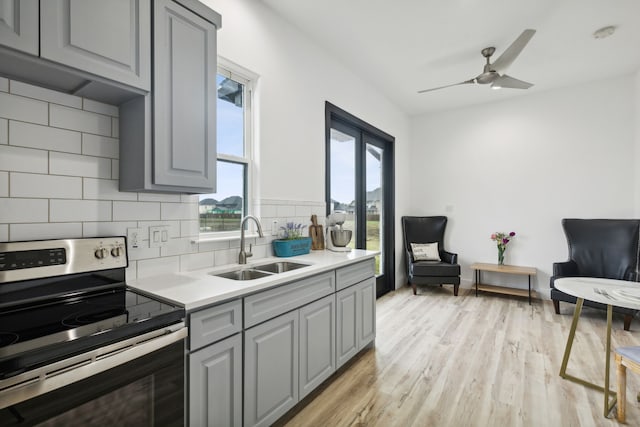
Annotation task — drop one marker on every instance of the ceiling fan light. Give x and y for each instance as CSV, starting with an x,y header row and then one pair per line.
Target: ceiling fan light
x,y
496,87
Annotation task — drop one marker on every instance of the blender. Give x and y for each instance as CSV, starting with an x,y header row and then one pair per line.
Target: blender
x,y
337,237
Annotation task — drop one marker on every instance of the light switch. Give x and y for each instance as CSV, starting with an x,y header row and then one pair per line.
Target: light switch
x,y
158,236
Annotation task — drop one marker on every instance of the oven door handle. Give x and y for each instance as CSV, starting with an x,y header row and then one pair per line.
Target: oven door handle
x,y
59,374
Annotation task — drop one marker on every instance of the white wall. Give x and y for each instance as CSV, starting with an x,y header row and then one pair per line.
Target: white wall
x,y
296,78
524,164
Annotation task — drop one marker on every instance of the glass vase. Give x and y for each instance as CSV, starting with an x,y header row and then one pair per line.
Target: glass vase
x,y
501,255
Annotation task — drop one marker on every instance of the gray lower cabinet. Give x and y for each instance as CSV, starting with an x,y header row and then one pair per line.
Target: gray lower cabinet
x,y
317,343
215,375
270,369
168,138
355,319
19,25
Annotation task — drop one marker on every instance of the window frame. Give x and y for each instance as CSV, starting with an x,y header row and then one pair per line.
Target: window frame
x,y
247,78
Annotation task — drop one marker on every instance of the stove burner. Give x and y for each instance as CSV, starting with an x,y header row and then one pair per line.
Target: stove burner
x,y
87,317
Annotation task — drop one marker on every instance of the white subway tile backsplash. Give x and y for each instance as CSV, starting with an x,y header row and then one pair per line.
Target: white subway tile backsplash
x,y
83,121
101,146
136,211
286,211
131,273
78,165
52,230
4,131
79,210
43,137
23,159
37,92
144,252
115,127
225,256
4,184
197,261
189,198
4,84
99,107
179,211
158,266
97,229
105,189
45,186
24,210
303,211
4,232
178,246
189,228
159,197
16,107
213,245
115,169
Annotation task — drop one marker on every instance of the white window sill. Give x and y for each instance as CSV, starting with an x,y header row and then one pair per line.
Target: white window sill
x,y
223,238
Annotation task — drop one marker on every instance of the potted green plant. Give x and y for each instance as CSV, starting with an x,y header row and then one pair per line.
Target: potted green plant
x,y
291,241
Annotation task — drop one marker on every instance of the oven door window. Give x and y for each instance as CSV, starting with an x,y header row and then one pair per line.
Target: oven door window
x,y
148,391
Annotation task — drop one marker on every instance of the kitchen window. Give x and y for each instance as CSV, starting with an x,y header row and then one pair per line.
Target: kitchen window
x,y
221,212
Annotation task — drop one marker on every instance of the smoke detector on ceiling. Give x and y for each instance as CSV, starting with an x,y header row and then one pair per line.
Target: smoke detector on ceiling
x,y
604,32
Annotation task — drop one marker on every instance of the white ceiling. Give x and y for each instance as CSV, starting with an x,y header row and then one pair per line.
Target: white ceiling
x,y
403,46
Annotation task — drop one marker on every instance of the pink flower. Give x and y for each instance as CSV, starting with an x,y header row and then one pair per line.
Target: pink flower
x,y
493,236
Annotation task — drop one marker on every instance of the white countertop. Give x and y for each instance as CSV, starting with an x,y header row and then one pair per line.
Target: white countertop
x,y
194,289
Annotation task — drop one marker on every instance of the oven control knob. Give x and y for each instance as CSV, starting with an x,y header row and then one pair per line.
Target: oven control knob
x,y
116,252
101,253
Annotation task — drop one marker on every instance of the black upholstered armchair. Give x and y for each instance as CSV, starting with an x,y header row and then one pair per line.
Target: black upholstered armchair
x,y
605,248
429,229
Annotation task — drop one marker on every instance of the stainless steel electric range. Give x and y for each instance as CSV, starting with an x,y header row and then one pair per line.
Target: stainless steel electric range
x,y
77,346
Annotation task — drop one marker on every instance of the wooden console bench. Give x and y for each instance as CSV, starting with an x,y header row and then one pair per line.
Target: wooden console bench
x,y
506,269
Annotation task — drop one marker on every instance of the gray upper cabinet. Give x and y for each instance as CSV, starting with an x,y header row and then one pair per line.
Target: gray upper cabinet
x,y
168,139
110,39
19,25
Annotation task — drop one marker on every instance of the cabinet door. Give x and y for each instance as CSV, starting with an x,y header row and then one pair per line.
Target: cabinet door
x,y
184,97
111,39
270,369
19,25
215,375
366,323
346,331
317,343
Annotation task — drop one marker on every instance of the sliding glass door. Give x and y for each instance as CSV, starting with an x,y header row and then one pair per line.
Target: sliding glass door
x,y
360,183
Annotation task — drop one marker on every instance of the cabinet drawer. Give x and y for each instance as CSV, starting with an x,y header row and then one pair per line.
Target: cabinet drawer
x,y
214,323
268,304
352,274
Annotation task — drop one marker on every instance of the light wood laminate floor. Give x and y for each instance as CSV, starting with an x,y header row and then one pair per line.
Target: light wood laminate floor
x,y
491,360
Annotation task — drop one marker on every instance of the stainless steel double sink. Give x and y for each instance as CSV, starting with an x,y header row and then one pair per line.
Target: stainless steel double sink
x,y
259,271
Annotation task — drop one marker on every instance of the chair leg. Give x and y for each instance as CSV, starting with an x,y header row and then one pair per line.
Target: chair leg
x,y
413,285
627,321
455,290
621,373
556,306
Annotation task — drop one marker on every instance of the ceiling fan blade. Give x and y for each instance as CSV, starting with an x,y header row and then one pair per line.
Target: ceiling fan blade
x,y
509,82
512,52
442,87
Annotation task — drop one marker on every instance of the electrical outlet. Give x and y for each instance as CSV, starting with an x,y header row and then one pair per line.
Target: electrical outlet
x,y
274,227
134,238
158,236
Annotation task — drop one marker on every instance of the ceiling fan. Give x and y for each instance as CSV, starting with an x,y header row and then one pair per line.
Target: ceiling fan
x,y
492,72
